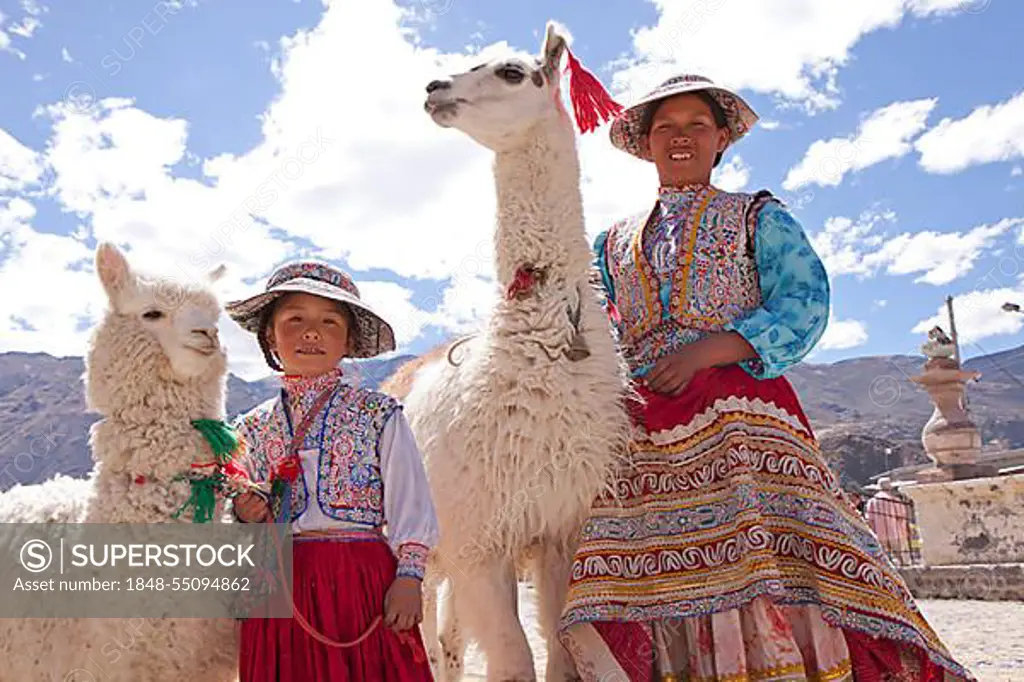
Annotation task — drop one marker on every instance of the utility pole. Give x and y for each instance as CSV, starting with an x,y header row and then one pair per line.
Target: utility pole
x,y
952,329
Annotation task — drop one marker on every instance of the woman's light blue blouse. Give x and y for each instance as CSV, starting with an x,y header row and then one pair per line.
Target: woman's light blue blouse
x,y
795,294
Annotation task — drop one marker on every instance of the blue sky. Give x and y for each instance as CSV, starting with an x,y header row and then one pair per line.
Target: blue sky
x,y
894,129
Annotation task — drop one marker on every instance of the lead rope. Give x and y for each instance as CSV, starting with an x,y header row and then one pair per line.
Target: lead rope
x,y
286,473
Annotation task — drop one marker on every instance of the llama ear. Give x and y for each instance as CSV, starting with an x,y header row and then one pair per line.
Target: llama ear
x,y
113,269
555,41
218,272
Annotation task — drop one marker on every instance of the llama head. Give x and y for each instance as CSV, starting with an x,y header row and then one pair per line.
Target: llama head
x,y
156,329
499,102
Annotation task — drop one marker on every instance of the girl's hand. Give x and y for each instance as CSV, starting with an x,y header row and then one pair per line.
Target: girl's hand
x,y
251,508
403,605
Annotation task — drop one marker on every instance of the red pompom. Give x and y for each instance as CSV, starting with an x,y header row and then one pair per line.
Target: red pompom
x,y
591,103
289,469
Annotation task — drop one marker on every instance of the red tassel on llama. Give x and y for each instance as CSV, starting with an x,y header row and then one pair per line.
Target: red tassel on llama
x,y
591,103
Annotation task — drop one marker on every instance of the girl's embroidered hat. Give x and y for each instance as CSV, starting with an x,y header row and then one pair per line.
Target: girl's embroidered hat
x,y
373,335
627,130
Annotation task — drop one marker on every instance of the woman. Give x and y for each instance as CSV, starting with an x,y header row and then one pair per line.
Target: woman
x,y
730,551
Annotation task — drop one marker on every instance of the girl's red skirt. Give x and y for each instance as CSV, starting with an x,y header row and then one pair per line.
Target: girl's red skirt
x,y
339,587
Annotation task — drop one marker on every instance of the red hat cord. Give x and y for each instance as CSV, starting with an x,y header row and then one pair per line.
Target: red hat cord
x,y
591,103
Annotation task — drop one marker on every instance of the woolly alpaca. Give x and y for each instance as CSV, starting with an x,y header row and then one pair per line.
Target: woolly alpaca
x,y
154,364
520,426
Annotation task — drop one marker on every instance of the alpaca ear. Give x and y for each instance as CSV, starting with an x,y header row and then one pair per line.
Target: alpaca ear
x,y
113,269
216,274
555,41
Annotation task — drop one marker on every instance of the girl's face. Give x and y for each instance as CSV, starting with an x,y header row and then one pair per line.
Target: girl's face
x,y
684,140
309,334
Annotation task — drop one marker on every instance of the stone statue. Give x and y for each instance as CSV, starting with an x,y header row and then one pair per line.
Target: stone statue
x,y
938,344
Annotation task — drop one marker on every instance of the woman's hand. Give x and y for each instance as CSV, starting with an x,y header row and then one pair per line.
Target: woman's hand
x,y
251,508
672,373
403,604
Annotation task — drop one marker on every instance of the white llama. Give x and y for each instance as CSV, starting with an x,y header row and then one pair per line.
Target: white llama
x,y
520,426
154,364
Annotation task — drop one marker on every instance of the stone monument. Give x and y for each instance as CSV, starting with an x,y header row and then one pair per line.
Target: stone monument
x,y
968,516
951,440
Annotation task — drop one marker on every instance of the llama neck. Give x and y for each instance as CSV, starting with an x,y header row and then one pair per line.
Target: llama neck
x,y
540,206
165,401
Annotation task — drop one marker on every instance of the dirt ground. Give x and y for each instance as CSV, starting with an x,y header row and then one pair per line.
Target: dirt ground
x,y
986,637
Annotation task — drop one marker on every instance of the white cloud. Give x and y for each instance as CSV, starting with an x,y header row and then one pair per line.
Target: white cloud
x,y
20,166
941,256
466,306
979,314
884,134
50,305
843,335
843,243
799,47
24,28
732,176
849,247
989,134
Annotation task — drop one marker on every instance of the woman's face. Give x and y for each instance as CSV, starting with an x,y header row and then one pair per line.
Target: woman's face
x,y
684,140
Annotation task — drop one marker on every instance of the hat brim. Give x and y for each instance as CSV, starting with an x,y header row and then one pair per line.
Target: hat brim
x,y
626,130
374,335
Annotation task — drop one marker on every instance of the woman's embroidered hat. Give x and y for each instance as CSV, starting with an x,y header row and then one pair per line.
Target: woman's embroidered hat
x,y
627,130
373,335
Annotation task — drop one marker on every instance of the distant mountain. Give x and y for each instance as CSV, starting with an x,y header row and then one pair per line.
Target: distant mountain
x,y
860,409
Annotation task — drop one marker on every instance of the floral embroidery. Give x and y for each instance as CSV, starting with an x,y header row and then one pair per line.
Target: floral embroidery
x,y
705,260
412,560
684,272
349,483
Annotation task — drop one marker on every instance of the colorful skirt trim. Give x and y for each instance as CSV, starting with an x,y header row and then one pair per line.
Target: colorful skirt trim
x,y
730,552
339,581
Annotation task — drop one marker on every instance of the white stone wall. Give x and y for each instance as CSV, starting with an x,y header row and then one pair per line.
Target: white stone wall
x,y
974,521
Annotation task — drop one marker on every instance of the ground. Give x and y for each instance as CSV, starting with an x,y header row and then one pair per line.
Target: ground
x,y
987,637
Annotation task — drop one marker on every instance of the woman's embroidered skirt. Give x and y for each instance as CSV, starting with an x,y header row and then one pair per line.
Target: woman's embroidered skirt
x,y
339,587
731,553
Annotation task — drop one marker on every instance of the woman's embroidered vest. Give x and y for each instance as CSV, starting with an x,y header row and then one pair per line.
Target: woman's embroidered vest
x,y
665,299
349,482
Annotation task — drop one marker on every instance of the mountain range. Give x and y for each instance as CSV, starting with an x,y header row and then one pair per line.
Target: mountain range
x,y
866,411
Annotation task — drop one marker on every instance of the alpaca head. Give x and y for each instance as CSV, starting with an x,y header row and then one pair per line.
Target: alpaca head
x,y
499,102
154,328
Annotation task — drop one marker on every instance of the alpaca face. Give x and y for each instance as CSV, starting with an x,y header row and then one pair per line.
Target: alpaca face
x,y
169,325
499,103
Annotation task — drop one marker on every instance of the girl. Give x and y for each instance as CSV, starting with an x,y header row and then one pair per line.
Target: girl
x,y
354,467
730,551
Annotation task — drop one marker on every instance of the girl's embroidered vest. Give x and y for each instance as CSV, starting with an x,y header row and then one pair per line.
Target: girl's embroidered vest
x,y
710,279
350,486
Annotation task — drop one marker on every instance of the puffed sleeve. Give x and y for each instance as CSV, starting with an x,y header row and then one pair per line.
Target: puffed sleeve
x,y
600,264
408,505
795,295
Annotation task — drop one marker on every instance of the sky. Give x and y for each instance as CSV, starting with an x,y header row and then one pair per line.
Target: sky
x,y
195,133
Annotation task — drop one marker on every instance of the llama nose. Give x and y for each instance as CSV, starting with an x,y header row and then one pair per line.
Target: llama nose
x,y
438,85
208,332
